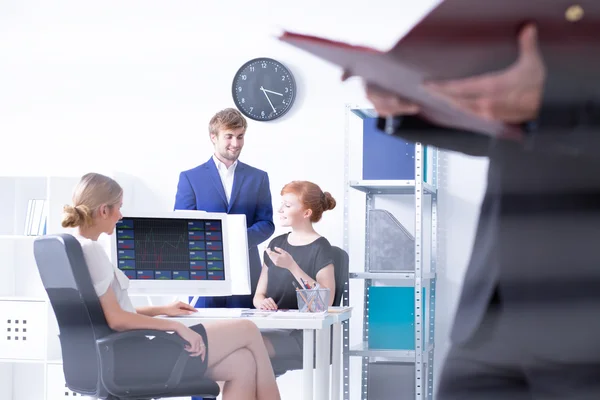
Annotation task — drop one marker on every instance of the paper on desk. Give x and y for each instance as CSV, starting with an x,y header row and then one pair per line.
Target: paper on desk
x,y
257,313
216,313
297,314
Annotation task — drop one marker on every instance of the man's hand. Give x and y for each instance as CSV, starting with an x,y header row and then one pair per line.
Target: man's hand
x,y
512,95
281,258
178,308
388,104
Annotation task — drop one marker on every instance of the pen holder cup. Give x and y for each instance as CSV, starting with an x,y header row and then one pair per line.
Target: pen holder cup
x,y
313,300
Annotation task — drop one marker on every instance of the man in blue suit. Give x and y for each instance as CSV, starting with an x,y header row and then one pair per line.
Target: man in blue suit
x,y
224,184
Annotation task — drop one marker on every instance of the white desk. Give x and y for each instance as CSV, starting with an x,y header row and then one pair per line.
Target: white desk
x,y
312,389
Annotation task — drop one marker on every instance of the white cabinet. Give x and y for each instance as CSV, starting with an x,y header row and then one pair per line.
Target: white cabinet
x,y
29,349
23,325
56,388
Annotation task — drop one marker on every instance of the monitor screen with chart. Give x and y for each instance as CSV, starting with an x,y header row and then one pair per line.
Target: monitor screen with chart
x,y
178,251
181,249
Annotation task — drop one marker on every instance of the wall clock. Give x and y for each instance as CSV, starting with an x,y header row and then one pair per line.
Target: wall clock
x,y
263,89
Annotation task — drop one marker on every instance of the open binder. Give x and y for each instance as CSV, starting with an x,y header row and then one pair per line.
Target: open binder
x,y
462,38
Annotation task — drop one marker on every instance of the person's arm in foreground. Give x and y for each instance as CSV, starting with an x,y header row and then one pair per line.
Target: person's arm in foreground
x,y
514,95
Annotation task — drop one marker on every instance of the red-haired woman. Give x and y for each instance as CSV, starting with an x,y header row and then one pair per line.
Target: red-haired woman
x,y
301,255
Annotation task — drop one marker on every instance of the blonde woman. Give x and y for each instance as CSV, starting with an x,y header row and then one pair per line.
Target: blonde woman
x,y
232,352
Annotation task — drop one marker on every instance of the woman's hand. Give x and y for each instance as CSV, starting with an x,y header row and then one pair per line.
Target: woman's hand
x,y
268,304
196,345
281,258
178,308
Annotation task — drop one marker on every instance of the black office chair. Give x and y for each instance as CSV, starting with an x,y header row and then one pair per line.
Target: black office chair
x,y
90,349
341,266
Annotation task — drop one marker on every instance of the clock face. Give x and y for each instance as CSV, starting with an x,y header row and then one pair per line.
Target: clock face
x,y
263,89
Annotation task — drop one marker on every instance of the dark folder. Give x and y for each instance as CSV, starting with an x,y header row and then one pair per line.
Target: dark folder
x,y
462,38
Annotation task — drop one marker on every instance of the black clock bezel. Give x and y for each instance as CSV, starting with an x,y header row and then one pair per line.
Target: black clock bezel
x,y
237,75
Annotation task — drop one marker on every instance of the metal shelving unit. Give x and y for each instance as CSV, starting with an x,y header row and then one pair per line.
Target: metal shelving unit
x,y
392,186
420,277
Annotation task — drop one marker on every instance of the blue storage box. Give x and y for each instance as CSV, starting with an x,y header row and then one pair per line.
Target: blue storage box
x,y
387,157
391,317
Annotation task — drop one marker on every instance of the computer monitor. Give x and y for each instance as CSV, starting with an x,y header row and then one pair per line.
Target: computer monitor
x,y
179,253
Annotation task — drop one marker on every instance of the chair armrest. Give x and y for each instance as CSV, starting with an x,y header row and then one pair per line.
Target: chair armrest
x,y
111,339
106,353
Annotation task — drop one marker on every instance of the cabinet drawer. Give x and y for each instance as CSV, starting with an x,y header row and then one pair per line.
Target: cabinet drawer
x,y
23,329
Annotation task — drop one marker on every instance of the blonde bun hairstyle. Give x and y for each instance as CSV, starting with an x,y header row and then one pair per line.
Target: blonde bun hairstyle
x,y
76,216
93,191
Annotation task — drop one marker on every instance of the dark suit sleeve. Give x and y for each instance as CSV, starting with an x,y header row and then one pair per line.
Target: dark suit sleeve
x,y
263,226
564,126
568,129
416,129
185,199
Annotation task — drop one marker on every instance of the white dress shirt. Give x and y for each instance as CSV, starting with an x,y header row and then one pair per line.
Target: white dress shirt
x,y
226,175
104,273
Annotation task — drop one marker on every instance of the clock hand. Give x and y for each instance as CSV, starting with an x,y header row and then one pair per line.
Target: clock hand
x,y
268,99
270,91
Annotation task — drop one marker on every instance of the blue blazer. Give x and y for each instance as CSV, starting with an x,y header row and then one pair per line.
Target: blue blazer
x,y
201,188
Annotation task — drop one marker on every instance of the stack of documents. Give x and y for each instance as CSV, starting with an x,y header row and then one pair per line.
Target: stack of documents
x,y
217,313
254,313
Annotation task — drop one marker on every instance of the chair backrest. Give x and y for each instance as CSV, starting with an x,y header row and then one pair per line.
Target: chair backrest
x,y
341,267
81,321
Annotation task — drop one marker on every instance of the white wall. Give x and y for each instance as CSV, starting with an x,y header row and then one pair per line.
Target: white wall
x,y
130,86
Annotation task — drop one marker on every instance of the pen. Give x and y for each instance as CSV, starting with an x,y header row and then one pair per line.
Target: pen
x,y
297,286
299,291
304,283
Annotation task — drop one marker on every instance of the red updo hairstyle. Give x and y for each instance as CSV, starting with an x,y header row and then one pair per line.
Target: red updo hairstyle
x,y
312,198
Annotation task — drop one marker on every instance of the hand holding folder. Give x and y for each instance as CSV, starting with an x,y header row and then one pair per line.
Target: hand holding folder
x,y
460,39
513,95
